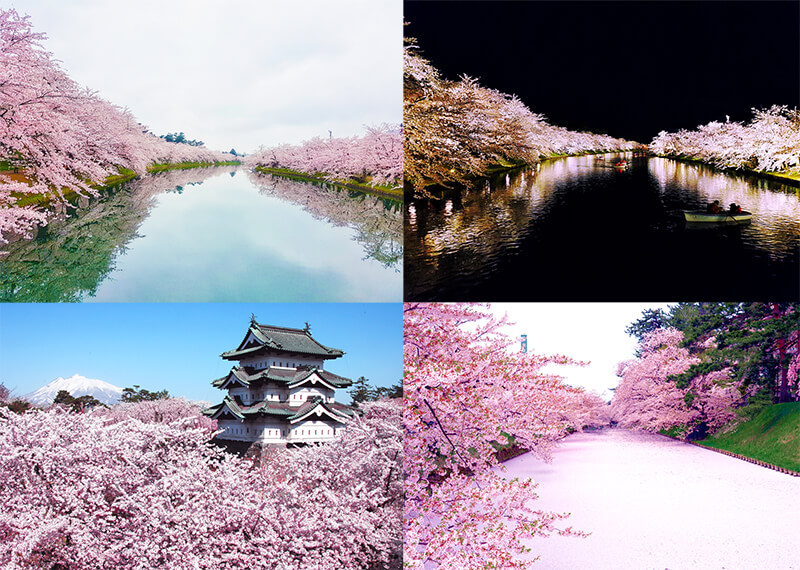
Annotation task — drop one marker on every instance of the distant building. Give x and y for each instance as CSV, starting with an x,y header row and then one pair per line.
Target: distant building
x,y
279,393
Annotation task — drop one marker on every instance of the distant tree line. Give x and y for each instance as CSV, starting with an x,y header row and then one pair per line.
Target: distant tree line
x,y
361,391
181,138
137,394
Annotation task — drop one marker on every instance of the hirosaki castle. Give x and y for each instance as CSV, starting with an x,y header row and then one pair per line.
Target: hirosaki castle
x,y
279,392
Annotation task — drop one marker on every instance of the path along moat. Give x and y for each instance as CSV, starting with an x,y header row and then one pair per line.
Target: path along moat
x,y
651,502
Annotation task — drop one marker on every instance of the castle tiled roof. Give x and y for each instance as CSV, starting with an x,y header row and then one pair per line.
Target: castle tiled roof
x,y
282,409
286,376
283,339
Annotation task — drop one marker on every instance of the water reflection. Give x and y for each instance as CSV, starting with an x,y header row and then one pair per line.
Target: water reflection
x,y
377,222
775,227
579,228
198,235
79,246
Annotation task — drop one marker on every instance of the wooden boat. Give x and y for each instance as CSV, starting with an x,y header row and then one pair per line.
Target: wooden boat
x,y
721,218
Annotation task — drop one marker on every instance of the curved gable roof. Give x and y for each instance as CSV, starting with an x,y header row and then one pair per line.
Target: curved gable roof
x,y
281,339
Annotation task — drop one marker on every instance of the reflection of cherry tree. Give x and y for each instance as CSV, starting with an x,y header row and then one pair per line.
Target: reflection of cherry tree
x,y
378,222
769,142
456,129
488,219
78,248
375,158
776,215
60,136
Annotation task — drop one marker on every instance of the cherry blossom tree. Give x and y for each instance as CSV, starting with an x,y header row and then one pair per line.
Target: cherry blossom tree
x,y
464,390
651,396
375,158
769,142
59,136
94,491
645,398
456,130
164,411
585,409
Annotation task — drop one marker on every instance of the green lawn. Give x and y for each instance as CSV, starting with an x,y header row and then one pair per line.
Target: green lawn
x,y
773,435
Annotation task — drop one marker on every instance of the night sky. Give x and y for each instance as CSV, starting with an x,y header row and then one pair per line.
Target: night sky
x,y
627,68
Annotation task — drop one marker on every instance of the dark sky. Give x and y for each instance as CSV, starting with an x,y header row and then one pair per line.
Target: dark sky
x,y
628,68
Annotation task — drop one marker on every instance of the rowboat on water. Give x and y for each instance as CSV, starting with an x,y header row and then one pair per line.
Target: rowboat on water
x,y
721,218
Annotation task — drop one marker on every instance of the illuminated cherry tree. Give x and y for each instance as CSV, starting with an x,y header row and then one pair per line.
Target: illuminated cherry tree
x,y
769,142
465,393
455,130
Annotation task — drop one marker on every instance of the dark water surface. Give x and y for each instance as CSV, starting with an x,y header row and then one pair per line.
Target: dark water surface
x,y
579,229
214,235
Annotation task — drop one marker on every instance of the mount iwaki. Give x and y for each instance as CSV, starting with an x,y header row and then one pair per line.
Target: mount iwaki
x,y
77,386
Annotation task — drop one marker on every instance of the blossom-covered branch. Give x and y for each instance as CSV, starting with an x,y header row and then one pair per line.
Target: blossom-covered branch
x,y
466,394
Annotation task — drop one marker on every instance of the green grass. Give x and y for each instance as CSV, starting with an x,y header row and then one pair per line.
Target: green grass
x,y
187,165
772,435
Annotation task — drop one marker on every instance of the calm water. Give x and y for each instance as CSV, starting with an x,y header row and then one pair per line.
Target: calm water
x,y
580,229
214,235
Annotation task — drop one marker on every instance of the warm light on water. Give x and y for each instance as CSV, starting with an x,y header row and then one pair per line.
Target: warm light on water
x,y
578,228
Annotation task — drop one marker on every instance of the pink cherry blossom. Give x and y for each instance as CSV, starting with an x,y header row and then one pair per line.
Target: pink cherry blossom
x,y
466,390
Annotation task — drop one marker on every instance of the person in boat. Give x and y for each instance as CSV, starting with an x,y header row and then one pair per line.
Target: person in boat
x,y
735,208
714,208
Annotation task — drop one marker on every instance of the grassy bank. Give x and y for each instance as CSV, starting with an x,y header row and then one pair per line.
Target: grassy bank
x,y
188,165
791,178
386,191
773,436
125,174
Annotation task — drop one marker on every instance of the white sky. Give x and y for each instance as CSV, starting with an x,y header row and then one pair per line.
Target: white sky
x,y
234,74
593,332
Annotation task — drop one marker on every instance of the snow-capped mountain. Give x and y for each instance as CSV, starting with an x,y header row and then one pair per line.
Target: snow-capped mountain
x,y
77,386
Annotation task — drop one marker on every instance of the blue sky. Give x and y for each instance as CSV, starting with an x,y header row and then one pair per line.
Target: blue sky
x,y
177,346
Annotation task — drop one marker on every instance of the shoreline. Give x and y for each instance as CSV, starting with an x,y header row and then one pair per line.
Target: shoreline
x,y
500,168
44,202
777,176
381,191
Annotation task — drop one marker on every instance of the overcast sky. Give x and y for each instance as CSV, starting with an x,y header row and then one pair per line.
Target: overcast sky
x,y
176,346
234,74
590,332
